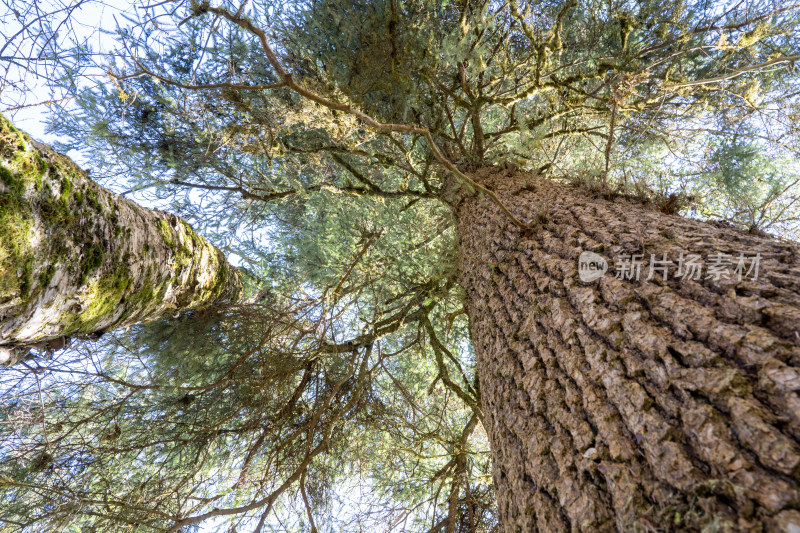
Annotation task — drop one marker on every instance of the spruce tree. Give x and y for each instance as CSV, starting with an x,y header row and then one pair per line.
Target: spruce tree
x,y
421,189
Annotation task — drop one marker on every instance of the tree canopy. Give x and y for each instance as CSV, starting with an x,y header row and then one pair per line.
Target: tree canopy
x,y
317,142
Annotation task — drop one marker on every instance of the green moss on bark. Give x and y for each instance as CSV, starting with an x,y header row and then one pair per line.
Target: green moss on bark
x,y
47,275
107,292
92,259
21,168
21,175
165,232
66,188
16,255
54,222
12,183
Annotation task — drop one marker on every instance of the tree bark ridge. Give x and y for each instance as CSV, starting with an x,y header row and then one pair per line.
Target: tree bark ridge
x,y
625,405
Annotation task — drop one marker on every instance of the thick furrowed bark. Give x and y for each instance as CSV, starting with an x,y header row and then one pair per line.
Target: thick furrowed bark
x,y
76,259
624,405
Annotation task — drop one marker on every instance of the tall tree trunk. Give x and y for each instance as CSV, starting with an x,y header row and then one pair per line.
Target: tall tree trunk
x,y
76,259
630,405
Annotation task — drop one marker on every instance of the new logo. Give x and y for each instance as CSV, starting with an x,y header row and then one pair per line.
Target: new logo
x,y
591,266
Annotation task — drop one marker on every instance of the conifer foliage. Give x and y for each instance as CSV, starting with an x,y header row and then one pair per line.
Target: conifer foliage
x,y
329,148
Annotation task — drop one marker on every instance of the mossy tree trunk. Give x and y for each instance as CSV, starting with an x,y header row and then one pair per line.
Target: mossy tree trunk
x,y
77,259
631,405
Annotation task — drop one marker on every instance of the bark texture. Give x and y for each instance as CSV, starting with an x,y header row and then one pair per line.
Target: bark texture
x,y
624,405
77,259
